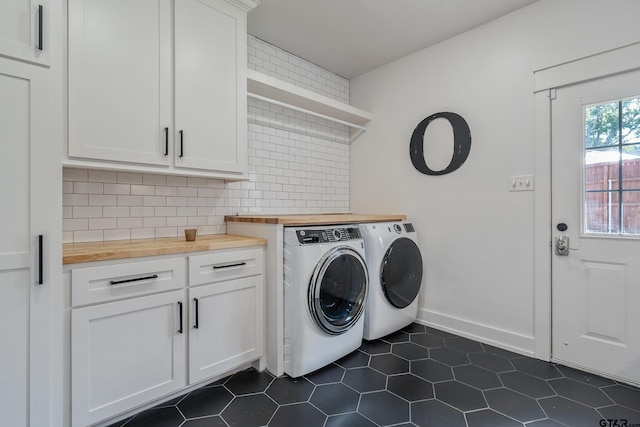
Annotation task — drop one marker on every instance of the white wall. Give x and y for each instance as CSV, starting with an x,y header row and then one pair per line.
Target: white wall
x,y
297,163
477,238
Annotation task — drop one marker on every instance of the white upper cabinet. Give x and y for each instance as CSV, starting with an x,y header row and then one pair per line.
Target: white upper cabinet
x,y
24,30
210,85
120,80
158,86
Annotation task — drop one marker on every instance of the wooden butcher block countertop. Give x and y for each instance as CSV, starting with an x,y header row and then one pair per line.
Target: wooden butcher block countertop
x,y
318,219
101,251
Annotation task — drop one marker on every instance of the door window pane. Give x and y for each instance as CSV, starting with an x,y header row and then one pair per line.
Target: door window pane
x,y
612,167
601,125
602,212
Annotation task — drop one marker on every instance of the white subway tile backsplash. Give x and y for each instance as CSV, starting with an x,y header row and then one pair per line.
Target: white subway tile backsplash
x,y
103,200
166,191
129,200
194,221
154,201
117,189
67,213
129,178
103,223
206,192
143,233
152,179
75,224
115,211
297,163
117,234
75,199
88,236
143,190
87,212
177,221
165,211
177,201
196,182
187,211
154,221
129,223
196,201
75,175
177,181
187,191
142,211
166,232
102,176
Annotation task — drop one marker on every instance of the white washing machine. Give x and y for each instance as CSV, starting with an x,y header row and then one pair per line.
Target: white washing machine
x,y
325,291
395,268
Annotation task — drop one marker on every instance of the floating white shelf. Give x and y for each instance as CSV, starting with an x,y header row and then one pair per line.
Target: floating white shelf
x,y
261,86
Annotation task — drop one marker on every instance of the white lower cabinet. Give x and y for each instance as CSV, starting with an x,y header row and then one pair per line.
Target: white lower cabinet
x,y
140,330
125,354
225,331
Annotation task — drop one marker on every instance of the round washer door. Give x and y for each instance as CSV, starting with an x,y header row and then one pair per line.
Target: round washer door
x,y
338,290
401,272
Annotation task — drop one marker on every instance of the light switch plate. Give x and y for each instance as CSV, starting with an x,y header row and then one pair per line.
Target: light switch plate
x,y
521,183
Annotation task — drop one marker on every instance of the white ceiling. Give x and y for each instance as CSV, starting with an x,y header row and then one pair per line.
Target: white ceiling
x,y
351,37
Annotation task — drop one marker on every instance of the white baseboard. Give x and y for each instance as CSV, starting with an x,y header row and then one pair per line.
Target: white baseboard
x,y
511,341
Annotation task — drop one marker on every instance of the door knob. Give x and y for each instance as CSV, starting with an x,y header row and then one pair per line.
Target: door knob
x,y
562,245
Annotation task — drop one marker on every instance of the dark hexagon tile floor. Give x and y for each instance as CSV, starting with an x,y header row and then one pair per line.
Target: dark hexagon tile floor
x,y
416,377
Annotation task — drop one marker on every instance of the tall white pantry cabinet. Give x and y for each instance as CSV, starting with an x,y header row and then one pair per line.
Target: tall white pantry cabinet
x,y
159,86
30,223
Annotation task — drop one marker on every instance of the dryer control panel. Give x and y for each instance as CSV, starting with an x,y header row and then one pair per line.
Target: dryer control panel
x,y
325,235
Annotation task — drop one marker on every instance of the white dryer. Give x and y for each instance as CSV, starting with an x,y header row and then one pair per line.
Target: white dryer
x,y
325,290
395,268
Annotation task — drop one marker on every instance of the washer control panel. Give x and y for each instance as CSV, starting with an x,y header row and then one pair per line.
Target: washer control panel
x,y
326,235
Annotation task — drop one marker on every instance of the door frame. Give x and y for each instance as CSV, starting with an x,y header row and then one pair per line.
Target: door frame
x,y
612,62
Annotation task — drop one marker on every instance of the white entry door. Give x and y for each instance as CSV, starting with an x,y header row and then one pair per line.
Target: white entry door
x,y
596,205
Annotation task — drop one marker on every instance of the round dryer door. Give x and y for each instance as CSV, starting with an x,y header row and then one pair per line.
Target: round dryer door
x,y
401,272
338,290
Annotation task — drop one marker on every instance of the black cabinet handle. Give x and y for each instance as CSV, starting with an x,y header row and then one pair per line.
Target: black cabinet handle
x,y
40,260
238,264
180,311
137,279
166,141
181,143
40,18
195,301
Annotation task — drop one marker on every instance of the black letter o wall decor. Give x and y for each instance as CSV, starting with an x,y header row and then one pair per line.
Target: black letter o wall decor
x,y
461,143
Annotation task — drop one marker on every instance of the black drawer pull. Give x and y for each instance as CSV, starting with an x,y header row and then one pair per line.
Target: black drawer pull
x,y
40,260
137,279
195,301
181,144
237,264
40,26
166,141
180,308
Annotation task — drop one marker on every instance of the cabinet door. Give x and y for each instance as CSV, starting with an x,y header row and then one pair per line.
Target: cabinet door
x,y
226,327
24,30
210,86
120,80
29,167
125,354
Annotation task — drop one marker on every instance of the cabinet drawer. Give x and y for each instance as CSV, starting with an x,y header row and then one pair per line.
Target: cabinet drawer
x,y
124,280
224,265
